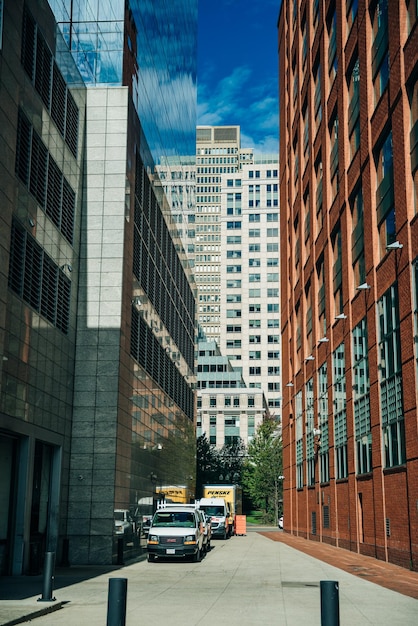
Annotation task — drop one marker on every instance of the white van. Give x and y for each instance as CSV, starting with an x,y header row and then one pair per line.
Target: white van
x,y
218,511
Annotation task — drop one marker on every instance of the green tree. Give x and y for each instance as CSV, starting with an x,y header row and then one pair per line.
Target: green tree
x,y
231,462
207,464
262,476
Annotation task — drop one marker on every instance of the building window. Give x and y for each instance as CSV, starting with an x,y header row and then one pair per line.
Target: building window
x,y
255,371
36,278
254,262
233,254
352,8
272,232
332,46
310,445
318,94
353,81
254,324
390,375
212,401
233,269
361,399
413,136
251,401
334,157
357,238
254,308
254,232
380,48
233,313
415,292
254,293
320,272
337,271
412,8
254,247
254,355
323,438
236,401
299,440
254,217
340,416
39,172
385,199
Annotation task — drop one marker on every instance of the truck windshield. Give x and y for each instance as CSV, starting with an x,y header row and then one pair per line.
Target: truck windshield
x,y
213,510
172,518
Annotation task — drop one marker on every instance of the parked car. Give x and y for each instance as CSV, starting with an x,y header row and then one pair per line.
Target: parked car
x,y
207,530
176,532
124,524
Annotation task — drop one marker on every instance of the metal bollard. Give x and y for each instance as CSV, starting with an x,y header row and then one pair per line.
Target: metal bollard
x,y
48,578
330,603
116,602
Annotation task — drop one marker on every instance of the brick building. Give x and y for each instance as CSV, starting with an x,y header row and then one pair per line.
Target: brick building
x,y
349,281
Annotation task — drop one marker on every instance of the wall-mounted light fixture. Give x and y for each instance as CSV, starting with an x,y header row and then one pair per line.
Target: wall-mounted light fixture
x,y
395,245
67,266
136,301
323,340
341,316
316,432
363,287
31,222
290,384
310,358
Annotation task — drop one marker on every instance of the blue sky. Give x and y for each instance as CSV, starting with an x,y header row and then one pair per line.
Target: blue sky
x,y
238,69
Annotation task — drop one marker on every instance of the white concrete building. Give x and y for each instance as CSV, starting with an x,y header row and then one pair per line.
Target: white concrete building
x,y
218,153
249,308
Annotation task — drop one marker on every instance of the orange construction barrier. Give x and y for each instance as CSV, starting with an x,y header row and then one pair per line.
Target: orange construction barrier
x,y
240,524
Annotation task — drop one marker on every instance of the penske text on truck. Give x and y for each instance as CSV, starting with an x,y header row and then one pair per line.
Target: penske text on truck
x,y
232,494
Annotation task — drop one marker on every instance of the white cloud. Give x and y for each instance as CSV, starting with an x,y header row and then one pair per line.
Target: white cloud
x,y
235,100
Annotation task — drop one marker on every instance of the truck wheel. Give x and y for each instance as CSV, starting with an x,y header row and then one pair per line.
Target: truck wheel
x,y
151,558
197,556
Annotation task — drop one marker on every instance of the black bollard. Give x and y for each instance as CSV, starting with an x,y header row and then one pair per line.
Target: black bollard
x,y
330,603
48,578
116,602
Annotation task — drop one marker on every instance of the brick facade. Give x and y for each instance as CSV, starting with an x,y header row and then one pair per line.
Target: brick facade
x,y
348,122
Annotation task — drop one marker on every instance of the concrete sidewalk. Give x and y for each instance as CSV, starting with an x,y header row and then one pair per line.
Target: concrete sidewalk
x,y
258,578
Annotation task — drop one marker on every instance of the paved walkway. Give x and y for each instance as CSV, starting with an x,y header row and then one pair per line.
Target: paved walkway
x,y
265,577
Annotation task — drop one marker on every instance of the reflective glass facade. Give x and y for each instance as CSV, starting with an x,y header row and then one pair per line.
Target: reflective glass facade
x,y
148,46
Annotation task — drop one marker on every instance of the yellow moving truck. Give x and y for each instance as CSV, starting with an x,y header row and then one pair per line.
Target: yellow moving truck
x,y
232,494
175,493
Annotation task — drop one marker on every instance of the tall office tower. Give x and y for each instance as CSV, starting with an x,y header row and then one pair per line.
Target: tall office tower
x,y
97,307
349,288
250,319
218,152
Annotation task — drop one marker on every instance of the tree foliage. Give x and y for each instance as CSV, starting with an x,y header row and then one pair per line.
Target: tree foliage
x,y
215,466
262,476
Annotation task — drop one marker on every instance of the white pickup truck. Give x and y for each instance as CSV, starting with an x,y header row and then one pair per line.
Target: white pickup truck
x,y
175,532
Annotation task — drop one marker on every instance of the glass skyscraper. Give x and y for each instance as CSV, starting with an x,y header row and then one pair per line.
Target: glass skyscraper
x,y
97,402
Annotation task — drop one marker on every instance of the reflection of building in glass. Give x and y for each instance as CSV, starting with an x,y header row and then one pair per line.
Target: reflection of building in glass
x,y
349,288
97,398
